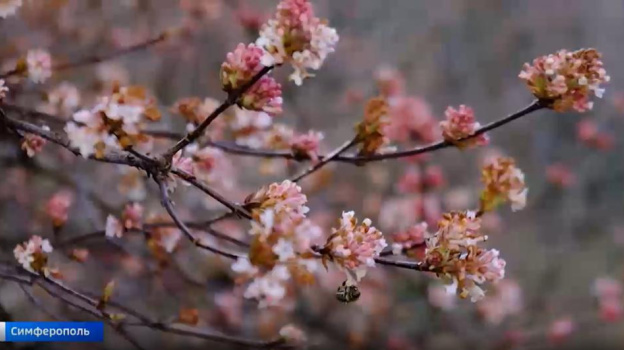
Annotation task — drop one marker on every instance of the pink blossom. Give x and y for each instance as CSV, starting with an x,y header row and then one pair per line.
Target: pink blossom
x,y
441,297
560,175
410,239
132,216
354,247
560,330
57,207
114,228
390,82
283,198
33,144
459,124
211,166
263,96
33,254
566,80
240,66
504,301
410,117
295,35
39,65
410,181
307,144
434,177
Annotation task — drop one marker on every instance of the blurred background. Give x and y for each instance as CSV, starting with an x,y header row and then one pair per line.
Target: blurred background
x,y
447,53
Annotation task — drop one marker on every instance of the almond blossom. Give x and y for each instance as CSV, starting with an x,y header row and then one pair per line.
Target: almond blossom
x,y
566,80
38,65
459,124
296,36
9,7
353,247
57,207
454,254
33,254
503,182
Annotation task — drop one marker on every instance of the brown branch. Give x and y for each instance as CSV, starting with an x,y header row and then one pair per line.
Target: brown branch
x,y
232,99
236,209
97,59
234,148
410,265
166,203
335,153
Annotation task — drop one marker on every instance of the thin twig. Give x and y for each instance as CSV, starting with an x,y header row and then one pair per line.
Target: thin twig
x,y
335,153
230,101
219,198
166,203
96,59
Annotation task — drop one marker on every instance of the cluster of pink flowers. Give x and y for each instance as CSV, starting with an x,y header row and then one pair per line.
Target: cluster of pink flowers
x,y
116,122
410,118
295,35
282,237
589,133
503,182
353,247
131,218
9,7
63,100
307,144
38,65
33,144
461,123
453,252
566,79
506,300
239,68
608,291
410,240
182,163
33,255
413,181
560,330
560,175
57,207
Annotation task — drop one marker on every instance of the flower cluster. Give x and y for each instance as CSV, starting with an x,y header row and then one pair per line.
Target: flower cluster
x,y
410,240
410,118
57,207
608,291
33,144
63,99
503,182
239,68
33,254
182,163
566,79
131,218
453,252
281,240
353,247
295,35
459,124
9,7
371,131
307,145
114,123
38,65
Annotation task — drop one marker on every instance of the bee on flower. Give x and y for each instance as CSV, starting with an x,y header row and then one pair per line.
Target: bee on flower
x,y
566,80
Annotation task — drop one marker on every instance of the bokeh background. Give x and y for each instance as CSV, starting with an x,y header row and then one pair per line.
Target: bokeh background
x,y
449,53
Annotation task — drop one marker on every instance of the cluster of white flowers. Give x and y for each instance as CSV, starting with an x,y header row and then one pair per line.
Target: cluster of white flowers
x,y
114,123
297,36
32,254
282,237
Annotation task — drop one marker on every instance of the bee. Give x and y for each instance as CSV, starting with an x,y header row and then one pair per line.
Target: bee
x,y
347,293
